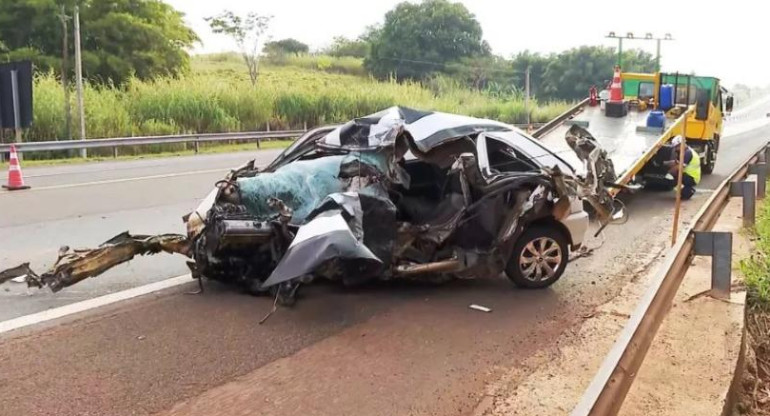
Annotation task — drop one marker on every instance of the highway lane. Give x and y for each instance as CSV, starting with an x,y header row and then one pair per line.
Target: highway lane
x,y
84,173
382,349
83,205
151,198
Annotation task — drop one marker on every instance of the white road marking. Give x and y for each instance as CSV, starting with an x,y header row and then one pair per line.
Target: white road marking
x,y
111,181
60,312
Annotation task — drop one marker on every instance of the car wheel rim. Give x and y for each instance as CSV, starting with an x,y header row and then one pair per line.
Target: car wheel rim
x,y
540,260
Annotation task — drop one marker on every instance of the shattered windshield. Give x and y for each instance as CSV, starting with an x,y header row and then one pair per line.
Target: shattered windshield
x,y
302,185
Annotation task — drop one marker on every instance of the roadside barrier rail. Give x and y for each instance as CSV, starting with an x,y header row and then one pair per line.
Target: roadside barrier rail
x,y
196,139
115,143
608,390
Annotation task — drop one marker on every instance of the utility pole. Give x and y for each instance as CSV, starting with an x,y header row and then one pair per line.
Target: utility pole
x,y
16,105
65,72
526,101
79,80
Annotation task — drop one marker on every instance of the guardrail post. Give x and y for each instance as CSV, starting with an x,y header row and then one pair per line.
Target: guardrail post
x,y
719,246
115,152
196,146
747,190
84,153
760,169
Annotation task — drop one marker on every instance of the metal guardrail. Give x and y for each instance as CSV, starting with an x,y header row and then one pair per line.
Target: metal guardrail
x,y
547,127
115,143
196,139
607,392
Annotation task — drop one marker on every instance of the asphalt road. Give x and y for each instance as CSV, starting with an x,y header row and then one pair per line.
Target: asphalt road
x,y
84,205
377,350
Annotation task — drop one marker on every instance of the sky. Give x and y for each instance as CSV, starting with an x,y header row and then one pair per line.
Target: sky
x,y
727,39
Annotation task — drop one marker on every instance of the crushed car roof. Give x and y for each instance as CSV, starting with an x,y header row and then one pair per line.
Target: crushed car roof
x,y
427,128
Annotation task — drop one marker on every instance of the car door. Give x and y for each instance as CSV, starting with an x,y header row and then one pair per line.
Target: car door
x,y
497,156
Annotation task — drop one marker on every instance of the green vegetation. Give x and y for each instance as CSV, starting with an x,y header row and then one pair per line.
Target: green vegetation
x,y
422,40
756,268
756,271
326,63
428,55
247,31
218,97
120,38
419,38
286,46
342,46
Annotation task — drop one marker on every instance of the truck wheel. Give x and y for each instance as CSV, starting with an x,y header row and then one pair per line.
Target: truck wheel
x,y
539,257
707,165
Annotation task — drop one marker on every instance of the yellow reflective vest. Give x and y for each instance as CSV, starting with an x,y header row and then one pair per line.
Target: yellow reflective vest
x,y
693,168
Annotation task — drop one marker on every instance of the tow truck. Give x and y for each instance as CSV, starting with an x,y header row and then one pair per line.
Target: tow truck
x,y
686,105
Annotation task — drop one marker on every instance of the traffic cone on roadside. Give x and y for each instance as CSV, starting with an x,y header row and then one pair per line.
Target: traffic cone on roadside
x,y
616,88
15,178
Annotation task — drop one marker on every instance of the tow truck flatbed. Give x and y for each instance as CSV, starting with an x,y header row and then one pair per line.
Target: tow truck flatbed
x,y
627,140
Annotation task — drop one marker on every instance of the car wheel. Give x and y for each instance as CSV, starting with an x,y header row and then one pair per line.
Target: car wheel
x,y
711,160
539,257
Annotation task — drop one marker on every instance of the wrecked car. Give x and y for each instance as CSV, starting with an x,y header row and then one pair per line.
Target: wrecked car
x,y
400,194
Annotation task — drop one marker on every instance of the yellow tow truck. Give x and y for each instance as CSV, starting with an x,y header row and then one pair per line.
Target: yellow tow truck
x,y
704,124
656,108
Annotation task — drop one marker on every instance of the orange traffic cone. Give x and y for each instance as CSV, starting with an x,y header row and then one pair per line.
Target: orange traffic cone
x,y
15,178
616,88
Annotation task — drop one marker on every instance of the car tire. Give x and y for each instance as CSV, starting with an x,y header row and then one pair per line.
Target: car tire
x,y
711,160
539,257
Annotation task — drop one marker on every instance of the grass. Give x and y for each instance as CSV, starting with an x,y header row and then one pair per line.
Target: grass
x,y
211,149
756,268
338,65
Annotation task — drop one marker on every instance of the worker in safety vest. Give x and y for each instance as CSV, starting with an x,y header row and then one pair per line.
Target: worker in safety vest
x,y
691,172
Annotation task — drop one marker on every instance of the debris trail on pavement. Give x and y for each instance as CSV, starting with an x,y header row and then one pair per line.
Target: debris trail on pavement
x,y
73,266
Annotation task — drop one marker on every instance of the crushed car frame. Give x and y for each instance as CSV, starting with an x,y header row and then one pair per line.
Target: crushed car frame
x,y
400,194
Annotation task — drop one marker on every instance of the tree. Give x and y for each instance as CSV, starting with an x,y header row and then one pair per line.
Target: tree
x,y
417,40
491,73
120,38
248,33
286,47
536,63
342,46
570,74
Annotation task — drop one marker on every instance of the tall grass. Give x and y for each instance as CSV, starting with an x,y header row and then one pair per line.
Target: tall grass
x,y
219,100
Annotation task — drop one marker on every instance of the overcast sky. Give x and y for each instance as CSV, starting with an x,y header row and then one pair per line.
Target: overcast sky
x,y
727,39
